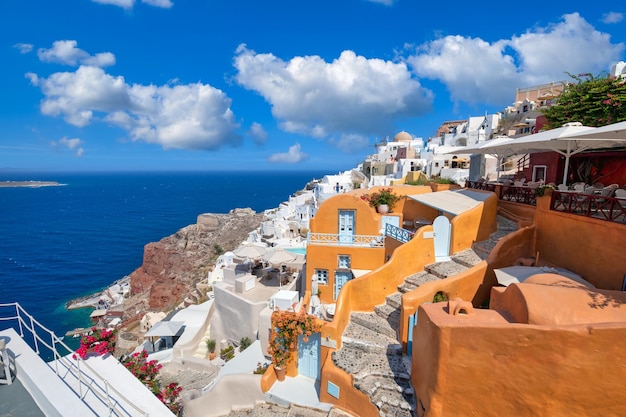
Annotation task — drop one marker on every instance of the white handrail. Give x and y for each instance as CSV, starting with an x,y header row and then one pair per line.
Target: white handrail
x,y
93,384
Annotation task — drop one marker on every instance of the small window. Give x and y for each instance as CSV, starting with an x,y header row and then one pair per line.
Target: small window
x,y
344,261
322,276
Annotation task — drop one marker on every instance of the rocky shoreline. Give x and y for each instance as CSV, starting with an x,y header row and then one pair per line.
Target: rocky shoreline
x,y
173,267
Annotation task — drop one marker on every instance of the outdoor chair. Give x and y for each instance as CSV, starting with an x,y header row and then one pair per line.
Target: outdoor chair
x,y
582,201
562,187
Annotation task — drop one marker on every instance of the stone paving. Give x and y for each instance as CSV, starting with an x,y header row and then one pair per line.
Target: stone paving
x,y
371,352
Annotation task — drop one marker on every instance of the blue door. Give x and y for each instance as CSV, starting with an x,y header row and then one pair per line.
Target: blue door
x,y
340,279
309,356
346,226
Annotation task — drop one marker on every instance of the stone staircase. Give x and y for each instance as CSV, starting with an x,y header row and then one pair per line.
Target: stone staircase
x,y
371,352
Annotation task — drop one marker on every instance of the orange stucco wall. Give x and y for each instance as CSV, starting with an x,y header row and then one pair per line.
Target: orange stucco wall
x,y
363,293
480,365
591,247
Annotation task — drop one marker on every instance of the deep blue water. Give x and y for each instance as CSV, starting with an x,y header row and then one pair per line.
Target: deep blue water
x,y
59,243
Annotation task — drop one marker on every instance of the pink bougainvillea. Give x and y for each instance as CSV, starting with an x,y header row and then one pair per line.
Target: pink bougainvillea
x,y
147,372
99,342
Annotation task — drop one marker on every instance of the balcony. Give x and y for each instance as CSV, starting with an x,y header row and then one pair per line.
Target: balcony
x,y
331,239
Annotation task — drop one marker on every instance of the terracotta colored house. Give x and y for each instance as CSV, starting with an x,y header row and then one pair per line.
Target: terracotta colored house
x,y
547,345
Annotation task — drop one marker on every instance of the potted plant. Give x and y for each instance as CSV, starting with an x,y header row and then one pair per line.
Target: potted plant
x,y
210,345
383,200
287,327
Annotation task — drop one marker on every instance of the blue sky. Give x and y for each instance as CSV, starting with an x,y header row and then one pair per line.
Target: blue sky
x,y
270,85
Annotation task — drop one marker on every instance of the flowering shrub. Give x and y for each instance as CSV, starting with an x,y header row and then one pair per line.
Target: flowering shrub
x,y
147,372
384,196
287,327
99,341
169,396
143,370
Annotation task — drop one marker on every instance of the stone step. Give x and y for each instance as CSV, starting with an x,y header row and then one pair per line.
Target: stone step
x,y
388,313
363,364
367,340
394,300
375,322
467,258
388,396
421,278
406,287
445,269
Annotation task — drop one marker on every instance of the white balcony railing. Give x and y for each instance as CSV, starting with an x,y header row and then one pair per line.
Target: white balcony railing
x,y
43,338
330,239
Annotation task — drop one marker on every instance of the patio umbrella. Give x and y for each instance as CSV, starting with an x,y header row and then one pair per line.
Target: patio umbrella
x,y
279,256
489,147
518,274
567,140
250,251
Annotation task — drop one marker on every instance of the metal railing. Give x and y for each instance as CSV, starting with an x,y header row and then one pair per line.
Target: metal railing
x,y
93,383
397,233
590,205
330,239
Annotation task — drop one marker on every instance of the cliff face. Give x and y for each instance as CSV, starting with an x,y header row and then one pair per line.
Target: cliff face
x,y
174,265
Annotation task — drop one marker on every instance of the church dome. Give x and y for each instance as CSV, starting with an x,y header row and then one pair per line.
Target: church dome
x,y
402,137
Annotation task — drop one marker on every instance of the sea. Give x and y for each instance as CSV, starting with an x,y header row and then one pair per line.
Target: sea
x,y
62,242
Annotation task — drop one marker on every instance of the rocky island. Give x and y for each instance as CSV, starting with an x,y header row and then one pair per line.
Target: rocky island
x,y
30,184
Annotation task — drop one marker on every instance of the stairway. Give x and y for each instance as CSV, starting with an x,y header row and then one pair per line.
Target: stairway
x,y
371,352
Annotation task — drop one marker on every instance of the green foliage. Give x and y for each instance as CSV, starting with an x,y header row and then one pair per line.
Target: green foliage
x,y
384,196
543,190
217,249
440,296
445,180
210,345
417,182
593,101
227,353
260,368
244,343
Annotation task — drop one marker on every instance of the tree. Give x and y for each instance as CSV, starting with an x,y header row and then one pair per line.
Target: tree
x,y
593,101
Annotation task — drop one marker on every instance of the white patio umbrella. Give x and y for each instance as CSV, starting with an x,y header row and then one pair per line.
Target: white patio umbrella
x,y
489,147
567,140
279,256
250,251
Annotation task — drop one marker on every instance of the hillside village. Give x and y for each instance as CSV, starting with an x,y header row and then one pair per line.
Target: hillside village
x,y
485,272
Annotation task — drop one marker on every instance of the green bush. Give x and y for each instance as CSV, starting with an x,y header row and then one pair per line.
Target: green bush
x,y
445,180
210,345
244,343
227,353
440,296
260,368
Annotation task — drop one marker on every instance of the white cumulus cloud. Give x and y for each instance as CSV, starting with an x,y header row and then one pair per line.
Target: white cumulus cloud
x,y
292,156
165,4
66,52
350,94
126,4
129,4
351,143
257,133
73,144
612,17
385,2
477,71
192,116
24,48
